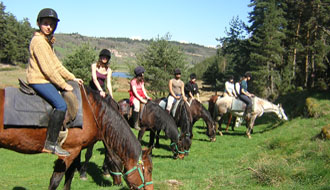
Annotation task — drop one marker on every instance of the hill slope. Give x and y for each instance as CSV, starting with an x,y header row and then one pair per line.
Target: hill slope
x,y
124,50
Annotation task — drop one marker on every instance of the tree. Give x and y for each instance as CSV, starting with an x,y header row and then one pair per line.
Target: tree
x,y
80,61
159,60
267,52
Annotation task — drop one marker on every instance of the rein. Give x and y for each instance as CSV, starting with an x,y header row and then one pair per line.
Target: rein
x,y
140,162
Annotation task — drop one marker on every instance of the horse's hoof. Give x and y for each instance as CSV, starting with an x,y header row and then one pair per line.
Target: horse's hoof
x,y
220,133
84,178
213,139
106,175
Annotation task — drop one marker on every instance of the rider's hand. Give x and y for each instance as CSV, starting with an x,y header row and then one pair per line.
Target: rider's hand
x,y
144,101
79,81
102,93
68,88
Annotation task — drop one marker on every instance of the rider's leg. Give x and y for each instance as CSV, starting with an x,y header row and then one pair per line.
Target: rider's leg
x,y
170,101
135,114
248,103
51,95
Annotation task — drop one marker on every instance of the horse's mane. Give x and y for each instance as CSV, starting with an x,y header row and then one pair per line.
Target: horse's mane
x,y
118,134
183,117
163,120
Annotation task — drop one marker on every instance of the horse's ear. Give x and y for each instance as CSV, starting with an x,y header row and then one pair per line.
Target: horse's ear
x,y
147,151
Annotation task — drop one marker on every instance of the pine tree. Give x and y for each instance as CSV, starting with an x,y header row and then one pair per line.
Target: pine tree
x,y
267,30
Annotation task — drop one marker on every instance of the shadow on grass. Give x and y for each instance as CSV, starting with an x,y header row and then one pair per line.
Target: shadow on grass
x,y
96,173
19,188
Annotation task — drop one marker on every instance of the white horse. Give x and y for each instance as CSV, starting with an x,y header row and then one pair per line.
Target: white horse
x,y
260,106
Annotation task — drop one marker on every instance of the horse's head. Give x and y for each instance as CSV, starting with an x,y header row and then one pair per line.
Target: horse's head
x,y
140,177
281,113
115,165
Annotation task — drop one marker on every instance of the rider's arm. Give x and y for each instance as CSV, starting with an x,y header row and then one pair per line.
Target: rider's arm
x,y
109,86
171,90
182,92
145,92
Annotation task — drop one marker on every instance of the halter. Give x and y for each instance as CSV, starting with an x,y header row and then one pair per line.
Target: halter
x,y
140,162
177,150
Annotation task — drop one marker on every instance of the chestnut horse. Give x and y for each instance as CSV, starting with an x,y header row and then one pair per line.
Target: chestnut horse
x,y
224,105
100,122
199,111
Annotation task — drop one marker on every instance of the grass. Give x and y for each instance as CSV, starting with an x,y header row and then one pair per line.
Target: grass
x,y
280,155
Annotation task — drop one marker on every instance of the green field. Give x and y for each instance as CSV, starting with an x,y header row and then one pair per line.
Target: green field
x,y
280,155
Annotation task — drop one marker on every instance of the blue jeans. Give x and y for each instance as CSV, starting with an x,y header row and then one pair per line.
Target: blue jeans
x,y
49,92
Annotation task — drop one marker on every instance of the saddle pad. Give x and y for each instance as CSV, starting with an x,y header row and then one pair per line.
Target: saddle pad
x,y
237,105
162,104
31,110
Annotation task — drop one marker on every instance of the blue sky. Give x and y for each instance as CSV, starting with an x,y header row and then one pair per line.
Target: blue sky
x,y
191,21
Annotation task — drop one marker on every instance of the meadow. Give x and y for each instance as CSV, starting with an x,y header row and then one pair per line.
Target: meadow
x,y
280,155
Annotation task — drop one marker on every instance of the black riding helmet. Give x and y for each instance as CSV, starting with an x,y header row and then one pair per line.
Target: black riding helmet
x,y
138,70
105,52
48,13
177,71
192,76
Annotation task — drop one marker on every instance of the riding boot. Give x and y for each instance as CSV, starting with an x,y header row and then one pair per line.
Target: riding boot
x,y
135,120
53,130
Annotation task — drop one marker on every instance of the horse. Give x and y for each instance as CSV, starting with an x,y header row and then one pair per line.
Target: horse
x,y
112,164
261,106
198,111
100,122
155,119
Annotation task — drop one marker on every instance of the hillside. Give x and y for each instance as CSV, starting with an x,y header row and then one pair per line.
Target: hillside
x,y
124,50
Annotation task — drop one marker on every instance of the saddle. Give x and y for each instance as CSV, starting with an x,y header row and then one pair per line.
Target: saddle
x,y
163,104
24,108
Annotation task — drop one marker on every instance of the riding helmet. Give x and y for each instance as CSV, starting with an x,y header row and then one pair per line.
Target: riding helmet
x,y
138,70
177,71
47,13
105,52
192,76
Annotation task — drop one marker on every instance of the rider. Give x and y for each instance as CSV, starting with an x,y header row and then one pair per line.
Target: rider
x,y
101,72
138,95
176,87
244,95
191,88
229,87
46,75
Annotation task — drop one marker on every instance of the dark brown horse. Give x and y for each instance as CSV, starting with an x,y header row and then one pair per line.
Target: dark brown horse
x,y
155,119
100,122
198,111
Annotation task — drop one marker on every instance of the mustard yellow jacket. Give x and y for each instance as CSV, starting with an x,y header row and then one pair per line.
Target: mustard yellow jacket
x,y
44,66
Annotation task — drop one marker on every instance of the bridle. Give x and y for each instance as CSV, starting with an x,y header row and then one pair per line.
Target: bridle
x,y
139,163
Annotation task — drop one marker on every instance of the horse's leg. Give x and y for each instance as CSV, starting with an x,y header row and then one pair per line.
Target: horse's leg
x,y
157,139
83,168
229,121
220,123
70,172
106,163
141,133
151,138
60,168
250,124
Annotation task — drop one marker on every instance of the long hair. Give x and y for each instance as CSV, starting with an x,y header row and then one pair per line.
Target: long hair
x,y
117,135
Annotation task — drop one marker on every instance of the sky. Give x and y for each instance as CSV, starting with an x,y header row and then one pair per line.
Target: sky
x,y
189,21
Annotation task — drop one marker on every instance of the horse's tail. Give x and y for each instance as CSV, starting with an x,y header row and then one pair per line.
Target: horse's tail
x,y
212,106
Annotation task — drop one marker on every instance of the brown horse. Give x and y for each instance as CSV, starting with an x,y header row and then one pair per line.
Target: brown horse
x,y
224,105
100,122
198,111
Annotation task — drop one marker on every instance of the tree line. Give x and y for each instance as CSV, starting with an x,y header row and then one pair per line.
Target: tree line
x,y
14,39
285,46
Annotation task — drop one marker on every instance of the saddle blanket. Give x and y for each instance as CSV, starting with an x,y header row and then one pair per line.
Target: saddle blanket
x,y
31,110
238,105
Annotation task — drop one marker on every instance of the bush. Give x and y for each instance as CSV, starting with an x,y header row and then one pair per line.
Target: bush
x,y
313,108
